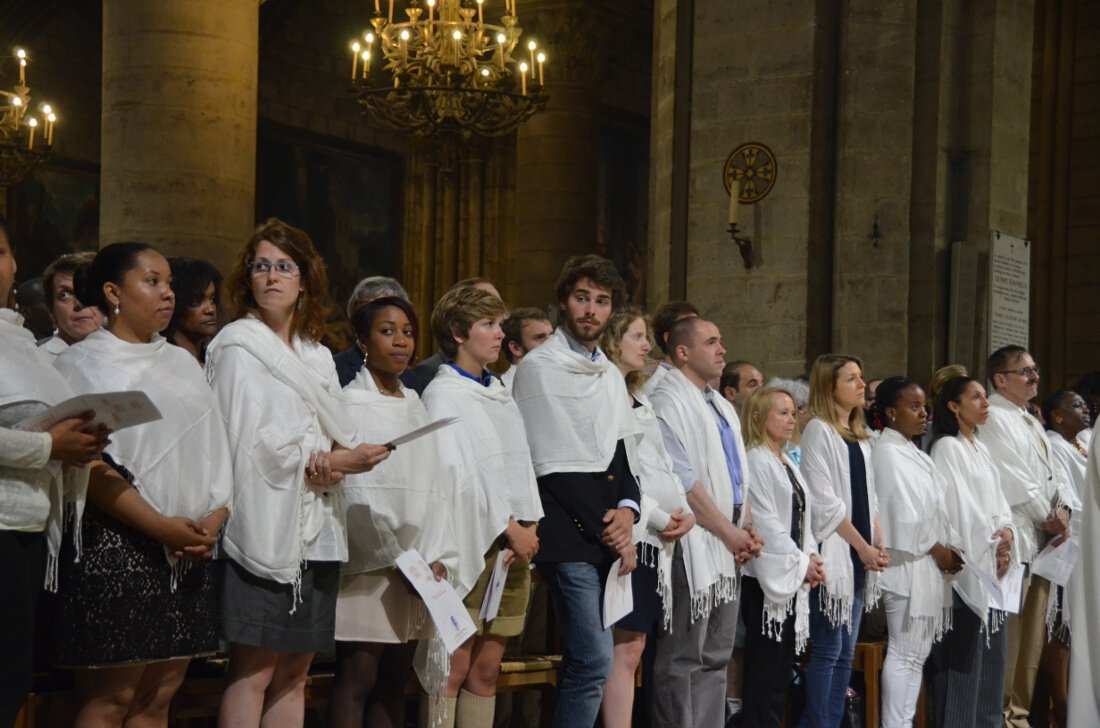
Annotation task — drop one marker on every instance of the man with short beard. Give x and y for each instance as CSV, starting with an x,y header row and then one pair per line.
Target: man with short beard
x,y
703,437
576,412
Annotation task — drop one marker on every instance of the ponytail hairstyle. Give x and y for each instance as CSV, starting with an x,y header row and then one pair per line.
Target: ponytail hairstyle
x,y
109,265
944,422
886,396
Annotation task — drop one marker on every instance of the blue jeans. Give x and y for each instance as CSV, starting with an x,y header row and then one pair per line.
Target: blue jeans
x,y
830,664
577,591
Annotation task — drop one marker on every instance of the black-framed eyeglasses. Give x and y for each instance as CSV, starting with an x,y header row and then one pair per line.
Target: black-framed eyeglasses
x,y
284,268
1025,372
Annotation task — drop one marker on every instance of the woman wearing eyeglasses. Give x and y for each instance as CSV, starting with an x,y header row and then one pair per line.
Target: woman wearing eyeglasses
x,y
292,442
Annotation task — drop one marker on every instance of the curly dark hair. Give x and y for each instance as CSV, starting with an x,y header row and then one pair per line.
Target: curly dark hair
x,y
190,278
309,319
595,268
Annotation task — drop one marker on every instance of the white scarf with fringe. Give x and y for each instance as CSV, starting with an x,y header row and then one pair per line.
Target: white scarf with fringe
x,y
26,376
180,463
684,408
781,566
824,467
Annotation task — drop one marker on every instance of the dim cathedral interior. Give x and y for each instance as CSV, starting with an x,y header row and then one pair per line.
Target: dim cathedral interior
x,y
891,142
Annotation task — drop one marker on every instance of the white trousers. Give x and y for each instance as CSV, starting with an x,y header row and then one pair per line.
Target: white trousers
x,y
903,668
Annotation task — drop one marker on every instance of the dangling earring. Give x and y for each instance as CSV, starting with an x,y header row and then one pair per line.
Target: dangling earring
x,y
117,309
298,306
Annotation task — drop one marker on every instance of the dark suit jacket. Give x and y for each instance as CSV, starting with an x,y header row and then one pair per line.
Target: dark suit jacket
x,y
575,503
350,361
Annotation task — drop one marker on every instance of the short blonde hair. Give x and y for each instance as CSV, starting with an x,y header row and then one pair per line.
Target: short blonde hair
x,y
458,310
823,378
754,414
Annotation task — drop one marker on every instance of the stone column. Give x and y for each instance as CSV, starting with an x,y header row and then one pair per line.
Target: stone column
x,y
179,125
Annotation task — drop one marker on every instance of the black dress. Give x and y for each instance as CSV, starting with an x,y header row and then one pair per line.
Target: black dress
x,y
118,604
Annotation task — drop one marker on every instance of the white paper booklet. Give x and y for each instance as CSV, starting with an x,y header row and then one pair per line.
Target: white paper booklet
x,y
449,614
618,596
1055,563
117,410
490,605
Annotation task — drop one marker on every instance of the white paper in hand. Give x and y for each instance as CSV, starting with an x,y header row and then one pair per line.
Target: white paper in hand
x,y
117,410
618,596
1055,563
448,613
490,605
421,431
1012,589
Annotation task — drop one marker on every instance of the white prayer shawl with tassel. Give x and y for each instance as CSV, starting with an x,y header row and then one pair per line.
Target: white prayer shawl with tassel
x,y
280,404
684,408
180,463
26,376
780,569
976,509
1084,594
1073,466
914,518
824,466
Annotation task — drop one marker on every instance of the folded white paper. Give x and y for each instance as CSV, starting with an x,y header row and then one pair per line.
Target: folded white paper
x,y
421,431
490,605
618,596
447,611
1055,563
117,410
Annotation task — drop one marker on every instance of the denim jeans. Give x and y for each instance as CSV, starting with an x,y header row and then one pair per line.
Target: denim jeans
x,y
830,666
576,589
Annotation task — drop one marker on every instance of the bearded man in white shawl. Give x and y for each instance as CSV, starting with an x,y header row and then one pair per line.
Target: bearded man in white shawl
x,y
577,416
703,436
1031,480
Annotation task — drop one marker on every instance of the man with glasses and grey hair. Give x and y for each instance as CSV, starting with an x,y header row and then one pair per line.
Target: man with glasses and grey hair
x,y
1031,482
350,361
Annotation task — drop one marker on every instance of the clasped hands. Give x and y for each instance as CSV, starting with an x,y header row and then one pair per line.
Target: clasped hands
x,y
744,543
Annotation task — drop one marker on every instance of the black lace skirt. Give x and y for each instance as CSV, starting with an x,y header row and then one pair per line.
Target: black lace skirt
x,y
117,604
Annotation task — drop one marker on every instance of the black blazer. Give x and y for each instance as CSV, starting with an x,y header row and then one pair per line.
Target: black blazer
x,y
574,505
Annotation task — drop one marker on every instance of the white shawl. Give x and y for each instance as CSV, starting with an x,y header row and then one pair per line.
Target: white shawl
x,y
781,566
684,408
914,518
824,465
1084,596
1073,466
279,404
662,493
404,502
180,462
575,410
1028,474
493,479
976,508
26,376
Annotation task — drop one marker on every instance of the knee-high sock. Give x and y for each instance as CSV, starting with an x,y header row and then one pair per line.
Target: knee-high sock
x,y
475,711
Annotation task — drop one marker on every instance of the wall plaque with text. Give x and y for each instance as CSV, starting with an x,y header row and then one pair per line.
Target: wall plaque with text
x,y
1009,290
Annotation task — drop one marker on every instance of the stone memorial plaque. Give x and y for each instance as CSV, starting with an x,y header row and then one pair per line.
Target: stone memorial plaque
x,y
1009,290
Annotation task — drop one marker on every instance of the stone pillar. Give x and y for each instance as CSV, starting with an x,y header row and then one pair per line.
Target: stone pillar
x,y
557,158
179,125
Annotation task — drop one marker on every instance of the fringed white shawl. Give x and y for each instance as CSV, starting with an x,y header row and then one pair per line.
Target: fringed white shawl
x,y
279,404
976,509
406,501
684,408
1084,596
1074,468
781,566
914,518
662,493
824,466
180,462
493,479
575,410
1028,474
26,376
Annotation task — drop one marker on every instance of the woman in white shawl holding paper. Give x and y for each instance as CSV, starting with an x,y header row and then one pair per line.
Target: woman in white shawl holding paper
x,y
836,463
292,441
915,590
775,589
403,503
38,471
970,660
664,520
496,498
141,602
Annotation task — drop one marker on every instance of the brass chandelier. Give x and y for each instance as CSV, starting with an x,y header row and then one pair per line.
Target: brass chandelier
x,y
445,71
24,140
